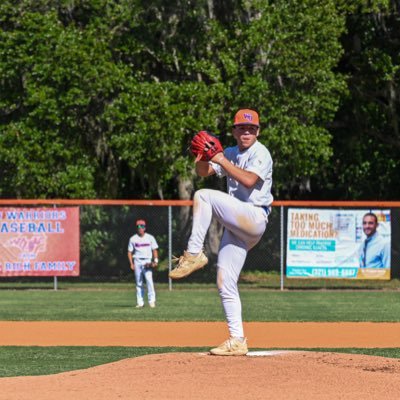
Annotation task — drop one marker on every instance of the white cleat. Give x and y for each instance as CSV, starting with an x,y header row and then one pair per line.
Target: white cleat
x,y
231,347
188,264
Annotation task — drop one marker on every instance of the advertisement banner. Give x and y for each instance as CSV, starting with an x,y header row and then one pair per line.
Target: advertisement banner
x,y
329,243
39,241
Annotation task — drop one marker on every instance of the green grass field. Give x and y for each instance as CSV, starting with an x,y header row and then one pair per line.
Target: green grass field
x,y
200,303
184,303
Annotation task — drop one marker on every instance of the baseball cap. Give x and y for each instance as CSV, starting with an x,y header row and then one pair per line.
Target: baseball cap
x,y
246,117
141,222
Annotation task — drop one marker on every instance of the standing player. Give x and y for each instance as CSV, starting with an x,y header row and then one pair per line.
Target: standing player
x,y
243,212
143,257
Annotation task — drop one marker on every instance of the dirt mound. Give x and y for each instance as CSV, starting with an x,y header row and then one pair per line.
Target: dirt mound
x,y
276,375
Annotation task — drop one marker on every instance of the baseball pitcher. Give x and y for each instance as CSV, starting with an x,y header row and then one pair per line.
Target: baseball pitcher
x,y
243,212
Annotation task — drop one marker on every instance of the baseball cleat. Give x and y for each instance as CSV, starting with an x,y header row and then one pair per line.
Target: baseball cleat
x,y
231,347
139,306
152,304
188,264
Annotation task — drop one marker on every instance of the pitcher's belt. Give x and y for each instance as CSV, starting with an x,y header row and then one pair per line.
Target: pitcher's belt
x,y
267,209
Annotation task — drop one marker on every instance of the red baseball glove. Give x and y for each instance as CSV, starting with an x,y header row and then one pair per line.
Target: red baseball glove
x,y
205,146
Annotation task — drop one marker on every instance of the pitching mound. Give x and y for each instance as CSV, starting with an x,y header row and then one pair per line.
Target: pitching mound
x,y
262,375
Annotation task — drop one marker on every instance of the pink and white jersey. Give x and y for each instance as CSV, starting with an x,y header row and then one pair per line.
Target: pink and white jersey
x,y
142,246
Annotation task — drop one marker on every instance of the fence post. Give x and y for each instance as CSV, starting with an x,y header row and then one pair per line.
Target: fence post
x,y
169,245
282,244
55,282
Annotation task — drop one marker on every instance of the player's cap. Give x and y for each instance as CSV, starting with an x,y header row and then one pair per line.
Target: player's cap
x,y
246,117
141,222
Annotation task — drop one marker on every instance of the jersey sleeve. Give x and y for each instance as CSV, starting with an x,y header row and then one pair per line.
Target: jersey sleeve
x,y
153,242
219,171
260,163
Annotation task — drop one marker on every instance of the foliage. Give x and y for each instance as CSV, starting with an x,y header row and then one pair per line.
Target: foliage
x,y
100,98
366,136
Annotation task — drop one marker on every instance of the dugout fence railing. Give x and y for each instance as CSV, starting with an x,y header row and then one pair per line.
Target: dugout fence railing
x,y
106,225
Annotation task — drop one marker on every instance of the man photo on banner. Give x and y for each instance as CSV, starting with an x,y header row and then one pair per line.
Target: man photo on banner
x,y
374,251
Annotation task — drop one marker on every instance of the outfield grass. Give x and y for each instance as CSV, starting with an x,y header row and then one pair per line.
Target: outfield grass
x,y
254,279
199,304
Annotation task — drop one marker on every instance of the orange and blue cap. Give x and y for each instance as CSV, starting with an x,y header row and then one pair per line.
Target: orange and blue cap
x,y
246,117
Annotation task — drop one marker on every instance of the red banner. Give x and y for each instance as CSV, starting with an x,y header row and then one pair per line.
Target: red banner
x,y
39,241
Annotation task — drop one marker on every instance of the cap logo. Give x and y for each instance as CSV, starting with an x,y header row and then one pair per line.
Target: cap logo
x,y
247,116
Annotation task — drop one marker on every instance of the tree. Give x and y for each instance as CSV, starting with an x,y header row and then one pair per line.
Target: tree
x,y
366,134
277,57
101,97
55,81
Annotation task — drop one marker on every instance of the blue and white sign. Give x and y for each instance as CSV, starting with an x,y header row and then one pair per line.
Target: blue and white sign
x,y
331,243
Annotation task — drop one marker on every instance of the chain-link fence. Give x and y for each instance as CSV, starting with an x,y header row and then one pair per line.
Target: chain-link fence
x,y
105,232
105,229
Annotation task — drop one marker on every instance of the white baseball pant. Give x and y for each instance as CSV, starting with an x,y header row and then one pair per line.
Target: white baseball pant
x,y
142,275
244,226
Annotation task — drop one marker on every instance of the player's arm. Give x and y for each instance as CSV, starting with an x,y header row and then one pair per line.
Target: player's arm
x,y
155,257
203,168
131,263
246,178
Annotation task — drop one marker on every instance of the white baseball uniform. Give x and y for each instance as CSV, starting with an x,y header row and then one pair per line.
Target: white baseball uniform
x,y
243,212
142,248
